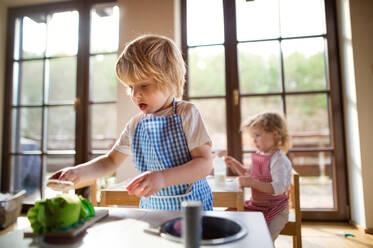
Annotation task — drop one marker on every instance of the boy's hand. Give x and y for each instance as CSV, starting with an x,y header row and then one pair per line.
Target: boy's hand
x,y
245,181
66,174
146,184
236,166
59,185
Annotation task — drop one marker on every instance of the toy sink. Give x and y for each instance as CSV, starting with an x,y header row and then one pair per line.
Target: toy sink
x,y
215,230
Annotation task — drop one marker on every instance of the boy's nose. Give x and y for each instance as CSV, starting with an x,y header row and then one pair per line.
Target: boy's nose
x,y
136,93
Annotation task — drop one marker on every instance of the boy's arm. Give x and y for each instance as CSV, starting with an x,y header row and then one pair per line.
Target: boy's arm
x,y
151,182
199,167
101,166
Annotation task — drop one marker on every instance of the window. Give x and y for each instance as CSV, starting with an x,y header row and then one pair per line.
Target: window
x,y
246,57
62,81
103,56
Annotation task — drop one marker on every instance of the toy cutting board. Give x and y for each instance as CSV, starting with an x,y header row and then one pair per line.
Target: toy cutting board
x,y
73,230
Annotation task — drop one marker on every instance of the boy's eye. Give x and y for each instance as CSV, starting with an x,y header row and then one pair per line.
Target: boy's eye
x,y
143,86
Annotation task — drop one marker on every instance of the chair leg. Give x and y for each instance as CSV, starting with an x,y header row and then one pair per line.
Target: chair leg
x,y
297,241
294,241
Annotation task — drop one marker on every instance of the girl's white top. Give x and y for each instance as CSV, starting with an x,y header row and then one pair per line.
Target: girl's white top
x,y
280,171
193,126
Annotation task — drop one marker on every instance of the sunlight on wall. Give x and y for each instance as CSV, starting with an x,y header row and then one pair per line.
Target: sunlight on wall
x,y
351,115
361,26
2,67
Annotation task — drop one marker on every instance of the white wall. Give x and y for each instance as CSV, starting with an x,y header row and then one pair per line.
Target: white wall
x,y
141,17
355,40
362,36
3,21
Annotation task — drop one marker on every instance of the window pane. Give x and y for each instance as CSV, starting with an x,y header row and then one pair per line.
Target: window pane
x,y
57,162
17,38
63,33
213,113
26,129
251,106
205,22
302,17
61,128
304,64
104,28
62,80
26,173
53,164
104,82
33,46
316,178
308,120
206,71
259,67
15,87
257,19
31,88
103,126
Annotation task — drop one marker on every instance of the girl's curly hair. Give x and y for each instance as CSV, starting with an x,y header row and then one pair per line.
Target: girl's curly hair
x,y
271,122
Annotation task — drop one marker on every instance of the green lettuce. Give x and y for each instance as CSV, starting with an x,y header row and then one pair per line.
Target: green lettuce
x,y
86,209
62,211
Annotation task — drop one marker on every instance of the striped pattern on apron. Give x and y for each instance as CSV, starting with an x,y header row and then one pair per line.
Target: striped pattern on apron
x,y
158,144
269,205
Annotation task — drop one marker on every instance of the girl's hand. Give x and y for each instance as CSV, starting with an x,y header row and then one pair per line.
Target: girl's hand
x,y
245,181
146,184
236,166
67,174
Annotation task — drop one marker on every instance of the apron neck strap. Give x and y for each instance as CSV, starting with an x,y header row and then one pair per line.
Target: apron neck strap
x,y
174,105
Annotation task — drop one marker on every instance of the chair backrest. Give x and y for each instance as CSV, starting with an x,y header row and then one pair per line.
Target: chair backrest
x,y
294,202
293,227
295,196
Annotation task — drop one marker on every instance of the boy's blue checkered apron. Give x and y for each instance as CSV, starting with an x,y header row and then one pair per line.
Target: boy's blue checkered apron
x,y
159,143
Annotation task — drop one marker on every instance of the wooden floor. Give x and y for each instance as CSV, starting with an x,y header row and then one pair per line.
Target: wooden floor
x,y
322,234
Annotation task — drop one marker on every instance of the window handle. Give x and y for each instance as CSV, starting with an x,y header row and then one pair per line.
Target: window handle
x,y
76,103
236,97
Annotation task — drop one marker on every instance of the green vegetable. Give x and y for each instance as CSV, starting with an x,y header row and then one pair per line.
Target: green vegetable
x,y
49,215
87,209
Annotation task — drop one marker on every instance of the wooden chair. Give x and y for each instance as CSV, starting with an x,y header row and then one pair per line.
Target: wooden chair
x,y
293,227
224,196
119,198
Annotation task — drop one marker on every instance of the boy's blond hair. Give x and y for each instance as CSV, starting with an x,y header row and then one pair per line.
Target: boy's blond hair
x,y
153,57
271,122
